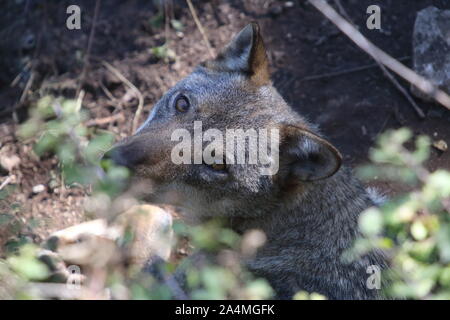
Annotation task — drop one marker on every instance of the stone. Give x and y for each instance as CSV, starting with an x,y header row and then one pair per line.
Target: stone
x,y
431,48
441,145
38,188
9,162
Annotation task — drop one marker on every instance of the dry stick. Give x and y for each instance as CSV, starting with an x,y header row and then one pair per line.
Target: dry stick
x,y
16,80
89,46
47,290
106,120
79,101
200,28
24,95
406,73
6,182
386,72
107,92
402,90
346,71
117,104
27,87
166,22
132,87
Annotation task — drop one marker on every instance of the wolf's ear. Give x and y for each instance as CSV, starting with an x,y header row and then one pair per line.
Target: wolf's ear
x,y
306,156
246,54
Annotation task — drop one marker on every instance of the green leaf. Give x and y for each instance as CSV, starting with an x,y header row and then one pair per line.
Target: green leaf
x,y
98,146
27,265
438,185
443,243
44,107
177,25
371,222
418,230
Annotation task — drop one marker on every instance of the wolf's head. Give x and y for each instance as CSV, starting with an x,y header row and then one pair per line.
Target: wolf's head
x,y
233,91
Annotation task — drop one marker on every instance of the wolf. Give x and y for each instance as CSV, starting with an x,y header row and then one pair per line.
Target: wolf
x,y
308,209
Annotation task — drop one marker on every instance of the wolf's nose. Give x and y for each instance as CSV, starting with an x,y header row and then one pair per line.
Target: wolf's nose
x,y
52,243
115,155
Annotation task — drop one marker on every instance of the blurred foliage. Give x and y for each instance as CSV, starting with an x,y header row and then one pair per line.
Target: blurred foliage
x,y
26,265
303,295
156,21
413,229
177,25
57,127
223,277
20,269
164,53
212,271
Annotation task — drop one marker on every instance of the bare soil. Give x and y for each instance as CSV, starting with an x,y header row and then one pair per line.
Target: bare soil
x,y
40,55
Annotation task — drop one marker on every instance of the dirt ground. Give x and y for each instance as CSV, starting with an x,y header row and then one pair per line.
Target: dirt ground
x,y
40,55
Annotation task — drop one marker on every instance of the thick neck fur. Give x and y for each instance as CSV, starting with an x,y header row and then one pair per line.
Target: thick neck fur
x,y
324,208
306,237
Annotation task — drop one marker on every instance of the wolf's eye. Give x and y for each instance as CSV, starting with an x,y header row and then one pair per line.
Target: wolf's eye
x,y
219,166
216,166
182,103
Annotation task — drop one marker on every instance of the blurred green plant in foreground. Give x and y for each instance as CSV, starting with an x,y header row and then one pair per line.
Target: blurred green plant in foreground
x,y
212,271
414,228
57,127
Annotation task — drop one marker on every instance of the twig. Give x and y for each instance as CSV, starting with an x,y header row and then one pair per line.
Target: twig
x,y
61,291
200,28
107,92
346,71
115,102
27,87
23,96
132,87
405,93
79,101
106,120
386,72
406,73
89,46
62,192
6,182
16,80
167,18
383,126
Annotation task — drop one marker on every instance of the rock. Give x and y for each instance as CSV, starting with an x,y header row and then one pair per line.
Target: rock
x,y
97,243
431,48
38,188
9,162
441,145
